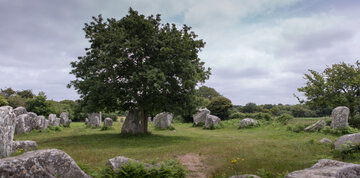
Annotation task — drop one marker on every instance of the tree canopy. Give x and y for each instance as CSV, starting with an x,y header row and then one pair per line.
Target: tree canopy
x,y
138,63
338,85
219,106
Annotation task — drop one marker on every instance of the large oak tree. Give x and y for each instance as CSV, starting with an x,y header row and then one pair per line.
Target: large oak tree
x,y
137,63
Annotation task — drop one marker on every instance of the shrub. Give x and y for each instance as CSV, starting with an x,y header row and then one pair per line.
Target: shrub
x,y
219,106
262,116
3,101
355,121
283,118
348,152
213,127
343,131
169,168
297,128
237,115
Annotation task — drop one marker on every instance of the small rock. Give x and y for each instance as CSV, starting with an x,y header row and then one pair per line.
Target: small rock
x,y
315,127
248,122
245,176
326,168
116,163
24,145
325,140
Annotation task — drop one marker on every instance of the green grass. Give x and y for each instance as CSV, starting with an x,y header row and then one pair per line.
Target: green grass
x,y
269,147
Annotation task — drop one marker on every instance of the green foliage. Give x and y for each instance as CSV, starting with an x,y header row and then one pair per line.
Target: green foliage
x,y
219,106
39,105
169,168
207,92
355,121
3,101
283,118
105,128
297,128
16,101
348,152
249,126
7,92
237,115
339,132
338,85
25,94
302,111
113,116
250,108
54,128
138,63
213,127
68,106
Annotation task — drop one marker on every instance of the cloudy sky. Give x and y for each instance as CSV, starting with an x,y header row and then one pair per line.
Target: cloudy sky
x,y
259,50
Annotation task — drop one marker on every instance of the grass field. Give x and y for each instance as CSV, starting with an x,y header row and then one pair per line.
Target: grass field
x,y
270,148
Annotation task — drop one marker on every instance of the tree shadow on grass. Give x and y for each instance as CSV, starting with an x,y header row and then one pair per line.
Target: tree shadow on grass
x,y
108,140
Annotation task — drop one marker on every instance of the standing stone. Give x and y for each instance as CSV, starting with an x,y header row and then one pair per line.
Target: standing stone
x,y
67,123
64,116
40,123
316,127
30,121
108,122
248,122
132,123
42,163
7,129
53,120
326,168
211,120
200,117
19,110
163,120
20,124
86,121
94,120
347,140
339,117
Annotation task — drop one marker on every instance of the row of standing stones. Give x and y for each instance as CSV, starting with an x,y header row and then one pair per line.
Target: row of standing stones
x,y
56,163
94,121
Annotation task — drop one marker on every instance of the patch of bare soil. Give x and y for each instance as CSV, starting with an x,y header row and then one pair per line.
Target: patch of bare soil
x,y
192,161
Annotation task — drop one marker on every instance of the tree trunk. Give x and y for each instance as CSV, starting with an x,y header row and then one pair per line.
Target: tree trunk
x,y
144,120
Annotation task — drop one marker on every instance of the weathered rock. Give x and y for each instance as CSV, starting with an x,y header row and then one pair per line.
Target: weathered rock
x,y
53,120
108,122
245,176
248,122
116,163
20,124
132,123
211,120
67,123
163,120
94,120
42,163
339,117
316,126
20,110
30,121
200,117
7,129
24,145
347,140
325,140
86,121
64,117
326,168
40,123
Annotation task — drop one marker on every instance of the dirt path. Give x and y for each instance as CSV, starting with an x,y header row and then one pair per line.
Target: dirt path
x,y
192,162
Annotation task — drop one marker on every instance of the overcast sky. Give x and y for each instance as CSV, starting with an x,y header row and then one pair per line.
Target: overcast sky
x,y
259,50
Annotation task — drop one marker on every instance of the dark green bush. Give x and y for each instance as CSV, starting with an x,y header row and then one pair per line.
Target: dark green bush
x,y
283,118
349,152
237,115
170,168
343,131
296,128
355,121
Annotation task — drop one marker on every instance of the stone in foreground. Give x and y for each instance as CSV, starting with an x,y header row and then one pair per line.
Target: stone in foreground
x,y
24,145
132,123
316,127
245,176
116,163
108,122
7,129
325,140
326,168
347,140
211,120
339,117
200,117
163,120
41,163
247,123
